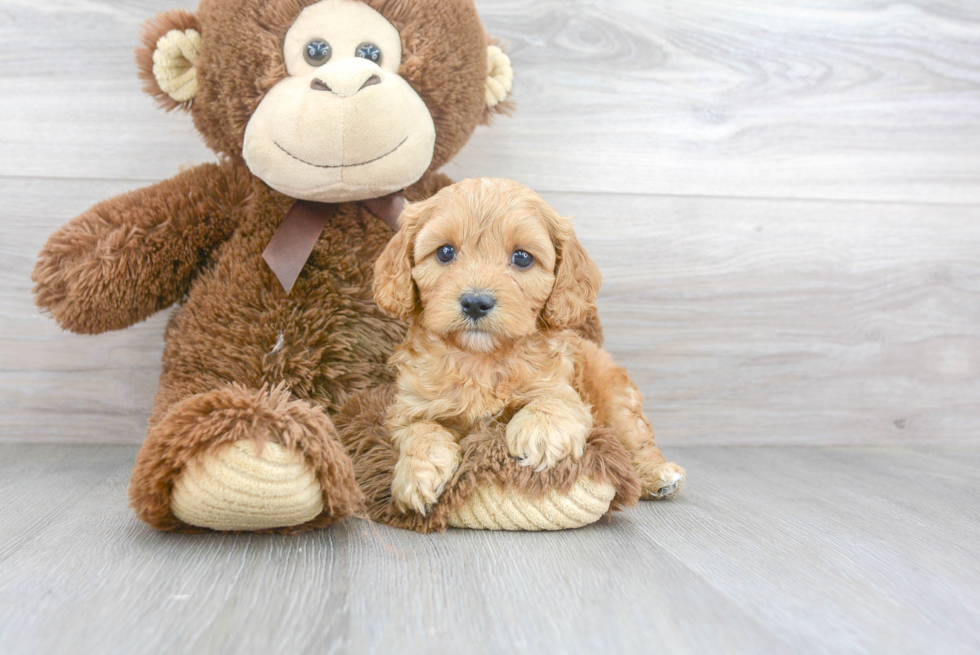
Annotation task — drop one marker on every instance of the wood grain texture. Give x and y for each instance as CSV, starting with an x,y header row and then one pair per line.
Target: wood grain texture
x,y
784,199
803,550
743,321
865,99
765,322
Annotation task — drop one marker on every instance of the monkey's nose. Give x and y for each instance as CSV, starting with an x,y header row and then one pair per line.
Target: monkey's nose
x,y
476,305
346,78
371,81
320,85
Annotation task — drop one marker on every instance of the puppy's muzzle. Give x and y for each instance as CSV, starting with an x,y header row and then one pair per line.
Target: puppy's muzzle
x,y
476,305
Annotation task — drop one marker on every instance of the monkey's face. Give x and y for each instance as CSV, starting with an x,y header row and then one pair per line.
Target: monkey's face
x,y
329,100
343,125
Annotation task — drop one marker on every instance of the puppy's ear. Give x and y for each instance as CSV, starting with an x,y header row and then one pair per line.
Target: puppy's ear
x,y
394,290
577,278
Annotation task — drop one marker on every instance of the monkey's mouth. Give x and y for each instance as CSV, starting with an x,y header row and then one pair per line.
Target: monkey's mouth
x,y
363,163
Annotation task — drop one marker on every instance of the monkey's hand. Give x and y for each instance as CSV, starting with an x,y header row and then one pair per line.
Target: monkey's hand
x,y
130,256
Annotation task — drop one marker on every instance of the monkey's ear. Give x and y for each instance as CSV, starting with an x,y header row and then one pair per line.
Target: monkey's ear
x,y
500,82
167,60
394,289
577,278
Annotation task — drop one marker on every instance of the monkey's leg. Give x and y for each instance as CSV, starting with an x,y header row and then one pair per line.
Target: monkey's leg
x,y
242,459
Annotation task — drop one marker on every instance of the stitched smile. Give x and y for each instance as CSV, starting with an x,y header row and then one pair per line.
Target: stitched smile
x,y
363,163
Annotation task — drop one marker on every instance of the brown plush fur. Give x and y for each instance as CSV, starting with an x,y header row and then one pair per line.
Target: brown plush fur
x,y
518,365
334,339
130,256
204,421
443,58
197,239
484,461
153,29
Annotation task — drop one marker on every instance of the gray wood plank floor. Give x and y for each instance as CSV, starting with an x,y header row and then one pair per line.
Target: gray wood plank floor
x,y
796,550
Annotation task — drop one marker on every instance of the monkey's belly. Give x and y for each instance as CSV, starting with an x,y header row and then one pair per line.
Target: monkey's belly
x,y
324,341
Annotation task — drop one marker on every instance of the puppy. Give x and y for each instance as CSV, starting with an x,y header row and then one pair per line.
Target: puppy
x,y
491,281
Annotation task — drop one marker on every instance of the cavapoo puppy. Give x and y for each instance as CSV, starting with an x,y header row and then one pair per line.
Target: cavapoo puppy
x,y
492,281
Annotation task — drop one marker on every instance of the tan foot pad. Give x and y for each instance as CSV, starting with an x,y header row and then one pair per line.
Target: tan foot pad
x,y
230,488
494,508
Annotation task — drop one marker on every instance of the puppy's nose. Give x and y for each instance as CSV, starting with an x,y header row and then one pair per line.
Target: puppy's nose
x,y
476,305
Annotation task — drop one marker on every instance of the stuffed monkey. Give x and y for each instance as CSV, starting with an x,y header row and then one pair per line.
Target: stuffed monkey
x,y
325,116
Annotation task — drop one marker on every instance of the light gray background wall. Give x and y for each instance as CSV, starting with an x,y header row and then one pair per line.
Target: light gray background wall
x,y
785,202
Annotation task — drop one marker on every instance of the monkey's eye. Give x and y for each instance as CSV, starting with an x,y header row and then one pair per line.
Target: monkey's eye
x,y
446,254
370,52
316,52
522,259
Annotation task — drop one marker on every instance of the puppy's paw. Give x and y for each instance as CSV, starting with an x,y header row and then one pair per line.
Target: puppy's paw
x,y
540,437
662,481
419,481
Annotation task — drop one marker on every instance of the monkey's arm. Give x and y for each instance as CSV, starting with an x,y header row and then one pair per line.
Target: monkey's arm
x,y
133,255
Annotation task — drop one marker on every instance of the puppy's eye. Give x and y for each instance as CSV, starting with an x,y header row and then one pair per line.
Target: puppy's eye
x,y
521,259
370,52
316,52
446,254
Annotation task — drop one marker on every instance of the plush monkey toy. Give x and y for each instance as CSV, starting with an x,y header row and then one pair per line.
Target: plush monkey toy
x,y
326,116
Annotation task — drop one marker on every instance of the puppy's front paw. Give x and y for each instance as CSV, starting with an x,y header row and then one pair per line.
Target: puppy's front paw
x,y
540,437
419,481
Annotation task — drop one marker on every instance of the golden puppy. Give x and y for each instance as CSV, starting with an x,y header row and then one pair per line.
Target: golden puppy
x,y
491,280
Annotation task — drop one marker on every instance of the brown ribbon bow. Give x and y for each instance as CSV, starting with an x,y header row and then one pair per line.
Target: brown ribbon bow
x,y
293,243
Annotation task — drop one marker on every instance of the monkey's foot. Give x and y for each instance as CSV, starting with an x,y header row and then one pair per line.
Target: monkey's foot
x,y
241,459
490,507
242,486
490,490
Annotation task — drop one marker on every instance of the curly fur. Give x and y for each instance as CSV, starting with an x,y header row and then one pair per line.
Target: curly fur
x,y
443,58
242,357
484,461
518,365
203,422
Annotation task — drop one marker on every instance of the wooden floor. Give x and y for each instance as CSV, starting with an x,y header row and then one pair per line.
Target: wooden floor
x,y
784,198
769,550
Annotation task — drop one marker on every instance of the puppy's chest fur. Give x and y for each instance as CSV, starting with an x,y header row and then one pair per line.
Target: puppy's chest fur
x,y
460,390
